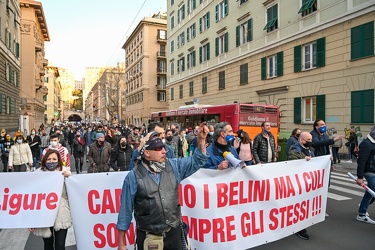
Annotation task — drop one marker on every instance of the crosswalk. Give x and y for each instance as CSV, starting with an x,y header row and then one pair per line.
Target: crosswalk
x,y
343,188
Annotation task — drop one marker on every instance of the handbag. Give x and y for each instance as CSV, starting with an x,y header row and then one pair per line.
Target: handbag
x,y
347,144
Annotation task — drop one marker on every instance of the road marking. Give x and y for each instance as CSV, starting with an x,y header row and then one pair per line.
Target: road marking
x,y
352,184
347,190
338,197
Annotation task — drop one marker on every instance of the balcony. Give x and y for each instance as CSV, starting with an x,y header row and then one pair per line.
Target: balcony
x,y
161,38
161,54
45,62
161,86
161,71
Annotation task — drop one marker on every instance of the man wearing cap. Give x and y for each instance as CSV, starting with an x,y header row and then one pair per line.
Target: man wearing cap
x,y
157,127
99,155
151,190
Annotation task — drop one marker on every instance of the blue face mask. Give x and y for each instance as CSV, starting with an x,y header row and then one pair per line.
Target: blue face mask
x,y
229,138
322,129
51,165
211,133
19,141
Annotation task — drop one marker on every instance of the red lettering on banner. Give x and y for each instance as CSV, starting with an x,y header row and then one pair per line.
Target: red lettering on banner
x,y
28,201
206,197
299,184
234,192
289,215
313,180
105,203
189,195
222,229
108,236
283,187
252,223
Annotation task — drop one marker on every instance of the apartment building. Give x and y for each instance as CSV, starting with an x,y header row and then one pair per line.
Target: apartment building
x,y
52,101
146,69
312,58
34,33
10,64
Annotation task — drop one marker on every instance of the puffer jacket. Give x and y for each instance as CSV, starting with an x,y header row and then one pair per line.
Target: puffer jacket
x,y
99,156
366,157
120,158
260,148
20,154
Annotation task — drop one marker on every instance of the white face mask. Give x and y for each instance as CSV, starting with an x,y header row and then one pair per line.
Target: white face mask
x,y
54,143
33,132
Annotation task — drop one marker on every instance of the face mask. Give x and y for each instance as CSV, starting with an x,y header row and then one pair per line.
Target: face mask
x,y
184,135
123,144
51,165
169,138
78,135
19,141
33,132
89,131
173,131
118,133
8,138
229,138
297,135
322,129
266,131
307,144
53,143
211,133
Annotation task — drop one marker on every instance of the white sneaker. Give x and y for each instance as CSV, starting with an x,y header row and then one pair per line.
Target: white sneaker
x,y
350,161
366,212
365,218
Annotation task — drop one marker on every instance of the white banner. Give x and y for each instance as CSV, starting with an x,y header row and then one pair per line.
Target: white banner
x,y
94,203
29,199
243,208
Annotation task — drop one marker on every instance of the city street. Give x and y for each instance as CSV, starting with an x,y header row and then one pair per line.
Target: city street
x,y
339,231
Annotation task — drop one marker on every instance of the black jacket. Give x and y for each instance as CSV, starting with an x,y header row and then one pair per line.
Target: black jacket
x,y
260,148
366,157
121,157
320,143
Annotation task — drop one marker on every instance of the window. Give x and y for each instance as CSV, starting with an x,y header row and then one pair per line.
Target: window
x,y
191,59
310,56
162,34
204,85
191,88
172,2
221,10
172,94
181,13
172,46
362,41
191,5
362,106
204,53
244,74
221,44
308,6
172,67
272,22
162,82
190,32
272,66
244,32
7,71
7,105
204,22
161,96
181,91
181,64
162,67
172,21
308,109
221,80
181,40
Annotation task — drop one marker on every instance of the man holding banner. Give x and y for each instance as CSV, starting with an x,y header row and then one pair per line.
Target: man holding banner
x,y
151,188
302,150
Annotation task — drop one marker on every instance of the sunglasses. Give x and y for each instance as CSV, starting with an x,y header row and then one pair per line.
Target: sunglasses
x,y
157,149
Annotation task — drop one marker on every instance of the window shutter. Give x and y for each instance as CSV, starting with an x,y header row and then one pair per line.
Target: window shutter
x,y
208,51
280,63
200,54
178,16
208,20
368,106
217,13
17,50
193,31
297,110
216,46
200,25
321,52
263,63
321,107
226,7
250,30
368,39
193,58
188,6
183,12
194,5
238,35
188,60
297,58
226,42
187,35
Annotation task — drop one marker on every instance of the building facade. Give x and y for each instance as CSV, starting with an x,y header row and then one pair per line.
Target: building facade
x,y
146,69
92,75
66,79
34,33
52,101
10,64
314,59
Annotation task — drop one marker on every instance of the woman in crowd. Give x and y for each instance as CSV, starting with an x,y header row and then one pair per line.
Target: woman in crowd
x,y
34,141
54,237
78,149
245,147
121,155
20,156
185,145
111,137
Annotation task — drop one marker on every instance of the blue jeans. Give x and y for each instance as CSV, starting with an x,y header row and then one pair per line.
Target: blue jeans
x,y
367,197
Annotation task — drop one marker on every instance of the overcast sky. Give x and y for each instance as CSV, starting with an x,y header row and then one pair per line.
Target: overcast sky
x,y
91,33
